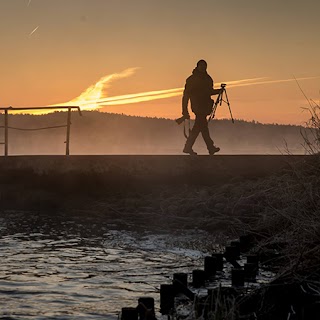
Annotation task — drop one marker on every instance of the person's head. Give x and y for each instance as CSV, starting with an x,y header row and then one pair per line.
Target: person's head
x,y
202,65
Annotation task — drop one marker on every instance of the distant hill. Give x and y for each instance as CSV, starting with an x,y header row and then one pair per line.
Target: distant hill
x,y
103,133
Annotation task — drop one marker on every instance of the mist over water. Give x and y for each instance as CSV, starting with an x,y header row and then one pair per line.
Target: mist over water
x,y
103,133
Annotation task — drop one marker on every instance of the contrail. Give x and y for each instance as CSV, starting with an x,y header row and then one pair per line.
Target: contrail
x,y
33,31
85,100
142,95
94,97
270,82
95,92
164,94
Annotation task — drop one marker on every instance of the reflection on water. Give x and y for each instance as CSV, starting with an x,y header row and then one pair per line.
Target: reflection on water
x,y
65,267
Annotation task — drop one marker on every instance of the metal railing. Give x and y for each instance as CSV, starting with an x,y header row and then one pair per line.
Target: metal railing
x,y
6,126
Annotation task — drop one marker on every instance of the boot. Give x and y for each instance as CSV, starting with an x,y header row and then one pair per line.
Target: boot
x,y
189,151
213,150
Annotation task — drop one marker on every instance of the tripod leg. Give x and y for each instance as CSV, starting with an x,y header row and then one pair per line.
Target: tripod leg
x,y
228,103
214,108
221,96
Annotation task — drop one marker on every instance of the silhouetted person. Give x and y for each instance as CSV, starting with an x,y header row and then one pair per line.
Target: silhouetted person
x,y
199,88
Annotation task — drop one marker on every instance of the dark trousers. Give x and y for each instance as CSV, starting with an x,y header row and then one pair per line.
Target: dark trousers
x,y
200,125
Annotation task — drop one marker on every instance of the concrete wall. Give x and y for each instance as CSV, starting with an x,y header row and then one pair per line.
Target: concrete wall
x,y
151,169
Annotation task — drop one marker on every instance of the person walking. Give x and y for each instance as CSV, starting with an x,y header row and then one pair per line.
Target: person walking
x,y
198,89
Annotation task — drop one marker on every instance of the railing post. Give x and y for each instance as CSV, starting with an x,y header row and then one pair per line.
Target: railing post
x,y
68,132
6,124
6,133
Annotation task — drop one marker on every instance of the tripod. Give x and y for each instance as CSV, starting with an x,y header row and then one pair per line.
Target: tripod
x,y
222,93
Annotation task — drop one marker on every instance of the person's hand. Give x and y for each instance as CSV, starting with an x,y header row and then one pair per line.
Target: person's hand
x,y
186,116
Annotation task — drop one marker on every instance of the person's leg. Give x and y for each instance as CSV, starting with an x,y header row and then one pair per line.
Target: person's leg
x,y
206,136
193,136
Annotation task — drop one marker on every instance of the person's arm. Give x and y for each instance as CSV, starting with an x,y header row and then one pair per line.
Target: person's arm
x,y
215,91
185,100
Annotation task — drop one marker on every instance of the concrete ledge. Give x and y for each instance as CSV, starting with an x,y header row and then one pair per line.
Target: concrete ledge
x,y
170,169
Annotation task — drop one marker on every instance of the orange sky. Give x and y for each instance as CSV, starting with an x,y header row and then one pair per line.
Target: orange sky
x,y
54,50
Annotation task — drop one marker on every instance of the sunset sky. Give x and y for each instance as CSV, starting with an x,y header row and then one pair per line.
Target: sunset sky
x,y
52,51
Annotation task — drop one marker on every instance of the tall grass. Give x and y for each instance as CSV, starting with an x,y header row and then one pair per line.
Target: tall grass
x,y
288,233
311,134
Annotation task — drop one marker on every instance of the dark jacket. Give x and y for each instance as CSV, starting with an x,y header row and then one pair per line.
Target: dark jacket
x,y
198,88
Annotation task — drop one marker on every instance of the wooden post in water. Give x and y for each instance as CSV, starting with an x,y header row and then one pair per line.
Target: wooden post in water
x,y
6,140
68,132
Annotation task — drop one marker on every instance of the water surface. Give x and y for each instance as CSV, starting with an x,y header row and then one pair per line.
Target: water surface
x,y
60,266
